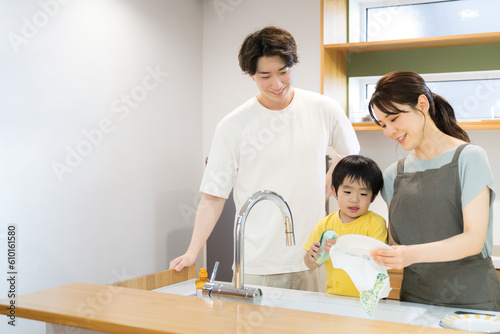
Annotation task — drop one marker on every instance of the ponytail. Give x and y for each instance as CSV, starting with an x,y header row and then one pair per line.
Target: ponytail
x,y
443,115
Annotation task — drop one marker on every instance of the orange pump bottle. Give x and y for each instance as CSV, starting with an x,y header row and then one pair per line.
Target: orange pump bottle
x,y
201,280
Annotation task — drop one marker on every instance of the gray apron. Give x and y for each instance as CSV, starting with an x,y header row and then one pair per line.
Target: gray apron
x,y
427,207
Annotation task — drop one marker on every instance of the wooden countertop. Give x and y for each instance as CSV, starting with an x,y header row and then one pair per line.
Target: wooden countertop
x,y
124,310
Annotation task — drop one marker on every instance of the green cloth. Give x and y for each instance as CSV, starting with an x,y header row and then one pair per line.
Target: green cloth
x,y
369,298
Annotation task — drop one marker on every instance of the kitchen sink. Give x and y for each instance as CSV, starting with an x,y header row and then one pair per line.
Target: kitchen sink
x,y
386,310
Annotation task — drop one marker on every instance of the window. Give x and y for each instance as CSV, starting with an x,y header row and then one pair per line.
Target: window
x,y
473,95
372,20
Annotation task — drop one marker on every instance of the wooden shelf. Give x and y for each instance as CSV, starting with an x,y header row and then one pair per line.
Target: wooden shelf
x,y
488,124
366,126
416,43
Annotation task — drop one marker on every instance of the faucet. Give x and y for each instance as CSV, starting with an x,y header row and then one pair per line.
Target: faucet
x,y
239,291
239,228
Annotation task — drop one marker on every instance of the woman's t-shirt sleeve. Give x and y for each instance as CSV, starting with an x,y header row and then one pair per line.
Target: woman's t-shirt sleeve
x,y
475,174
387,191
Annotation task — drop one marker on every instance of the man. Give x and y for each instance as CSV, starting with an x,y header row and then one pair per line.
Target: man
x,y
275,141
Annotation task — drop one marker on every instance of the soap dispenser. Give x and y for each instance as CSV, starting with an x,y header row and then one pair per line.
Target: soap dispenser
x,y
200,281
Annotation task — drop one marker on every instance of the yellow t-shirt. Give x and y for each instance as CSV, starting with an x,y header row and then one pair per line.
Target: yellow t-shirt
x,y
369,224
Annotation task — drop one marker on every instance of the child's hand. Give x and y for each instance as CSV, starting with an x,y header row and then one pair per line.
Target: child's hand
x,y
314,251
312,254
328,244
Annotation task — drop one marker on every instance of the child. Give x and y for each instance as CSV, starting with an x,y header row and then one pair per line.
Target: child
x,y
356,181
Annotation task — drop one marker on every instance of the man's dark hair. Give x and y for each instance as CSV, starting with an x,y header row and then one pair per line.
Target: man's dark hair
x,y
268,42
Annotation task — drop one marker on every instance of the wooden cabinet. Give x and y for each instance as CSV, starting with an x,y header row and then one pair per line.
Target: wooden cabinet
x,y
335,50
396,277
158,280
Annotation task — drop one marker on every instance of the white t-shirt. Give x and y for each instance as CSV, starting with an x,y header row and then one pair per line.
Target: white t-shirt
x,y
255,148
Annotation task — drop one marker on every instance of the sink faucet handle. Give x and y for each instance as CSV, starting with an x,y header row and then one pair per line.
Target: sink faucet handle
x,y
290,236
214,271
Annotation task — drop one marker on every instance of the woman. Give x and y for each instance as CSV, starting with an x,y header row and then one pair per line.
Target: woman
x,y
440,199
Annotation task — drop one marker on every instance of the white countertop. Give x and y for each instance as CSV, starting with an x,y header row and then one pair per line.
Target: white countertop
x,y
386,310
496,261
495,256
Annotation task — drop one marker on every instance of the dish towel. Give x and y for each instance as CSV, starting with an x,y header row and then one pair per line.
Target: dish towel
x,y
370,278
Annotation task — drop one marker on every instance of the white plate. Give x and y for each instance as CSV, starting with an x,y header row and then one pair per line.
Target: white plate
x,y
472,323
359,245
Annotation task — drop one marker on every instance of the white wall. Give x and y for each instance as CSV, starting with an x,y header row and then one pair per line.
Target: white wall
x,y
120,207
225,28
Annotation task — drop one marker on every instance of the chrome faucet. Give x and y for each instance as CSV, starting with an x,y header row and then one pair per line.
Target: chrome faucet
x,y
216,290
239,228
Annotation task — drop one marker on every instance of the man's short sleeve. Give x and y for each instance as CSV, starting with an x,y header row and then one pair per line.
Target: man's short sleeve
x,y
221,170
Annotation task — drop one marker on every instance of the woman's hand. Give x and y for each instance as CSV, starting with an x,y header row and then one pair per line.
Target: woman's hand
x,y
396,258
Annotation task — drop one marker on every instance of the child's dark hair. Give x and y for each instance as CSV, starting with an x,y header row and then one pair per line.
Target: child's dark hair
x,y
359,169
268,42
